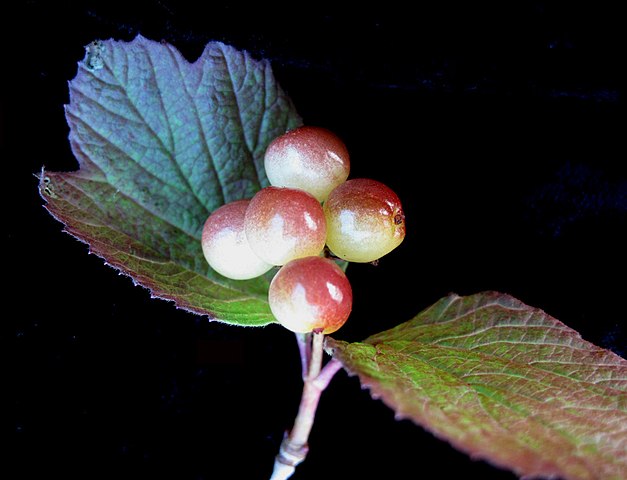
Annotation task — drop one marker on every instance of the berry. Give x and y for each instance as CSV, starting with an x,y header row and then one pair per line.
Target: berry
x,y
283,224
225,246
365,220
311,294
309,158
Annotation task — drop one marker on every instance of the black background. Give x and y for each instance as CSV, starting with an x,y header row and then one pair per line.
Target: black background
x,y
501,129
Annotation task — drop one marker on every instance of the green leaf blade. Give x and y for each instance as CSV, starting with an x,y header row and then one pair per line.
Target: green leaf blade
x,y
161,143
502,382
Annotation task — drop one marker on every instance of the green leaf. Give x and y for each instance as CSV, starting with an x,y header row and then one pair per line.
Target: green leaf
x,y
161,143
503,382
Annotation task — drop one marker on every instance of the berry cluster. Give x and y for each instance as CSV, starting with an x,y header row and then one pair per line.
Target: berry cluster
x,y
309,204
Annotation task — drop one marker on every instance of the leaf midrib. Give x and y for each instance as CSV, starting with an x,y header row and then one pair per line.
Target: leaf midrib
x,y
464,354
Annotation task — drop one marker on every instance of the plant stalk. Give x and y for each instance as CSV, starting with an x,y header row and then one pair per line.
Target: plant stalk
x,y
304,347
293,449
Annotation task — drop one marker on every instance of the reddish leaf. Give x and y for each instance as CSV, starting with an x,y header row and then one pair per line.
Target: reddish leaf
x,y
504,382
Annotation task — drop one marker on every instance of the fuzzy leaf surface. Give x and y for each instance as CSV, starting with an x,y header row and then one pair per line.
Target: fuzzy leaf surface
x,y
161,143
503,382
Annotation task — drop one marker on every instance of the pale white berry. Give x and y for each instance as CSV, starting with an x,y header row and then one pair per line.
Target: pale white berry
x,y
225,246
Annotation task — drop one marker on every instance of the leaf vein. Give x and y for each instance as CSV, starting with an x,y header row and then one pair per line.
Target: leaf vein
x,y
519,342
174,157
134,200
171,151
492,327
205,141
459,316
143,122
234,90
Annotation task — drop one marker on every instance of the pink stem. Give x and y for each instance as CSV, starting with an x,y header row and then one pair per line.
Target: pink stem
x,y
294,447
304,347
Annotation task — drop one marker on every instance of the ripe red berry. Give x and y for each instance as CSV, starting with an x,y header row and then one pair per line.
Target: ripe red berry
x,y
311,294
283,224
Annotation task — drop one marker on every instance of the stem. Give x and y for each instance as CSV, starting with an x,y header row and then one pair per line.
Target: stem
x,y
304,347
293,449
327,373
